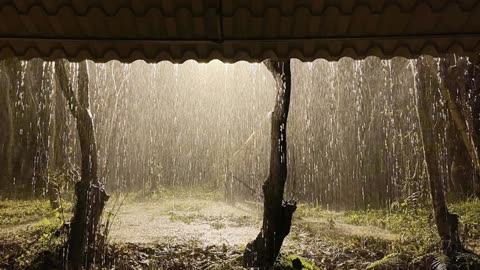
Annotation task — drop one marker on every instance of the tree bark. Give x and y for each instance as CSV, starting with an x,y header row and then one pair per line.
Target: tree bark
x,y
456,81
91,196
473,86
447,223
7,137
277,214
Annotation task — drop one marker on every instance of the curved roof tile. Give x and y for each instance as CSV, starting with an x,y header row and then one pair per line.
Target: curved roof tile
x,y
234,30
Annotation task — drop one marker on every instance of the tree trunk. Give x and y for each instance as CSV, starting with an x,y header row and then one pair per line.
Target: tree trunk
x,y
447,223
277,214
42,89
473,86
457,82
7,138
91,196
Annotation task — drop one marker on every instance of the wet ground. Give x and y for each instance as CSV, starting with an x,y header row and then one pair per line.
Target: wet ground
x,y
211,234
208,222
184,221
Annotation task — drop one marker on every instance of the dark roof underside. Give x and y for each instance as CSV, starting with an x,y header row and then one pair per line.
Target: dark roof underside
x,y
233,30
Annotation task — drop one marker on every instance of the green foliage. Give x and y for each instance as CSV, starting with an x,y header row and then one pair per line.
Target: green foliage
x,y
440,262
391,261
217,225
186,218
158,193
13,212
307,211
415,227
331,223
469,213
164,193
47,238
294,262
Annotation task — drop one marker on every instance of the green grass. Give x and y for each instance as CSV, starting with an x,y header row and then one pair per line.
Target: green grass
x,y
164,193
45,238
307,211
469,212
417,227
13,212
391,261
288,262
28,245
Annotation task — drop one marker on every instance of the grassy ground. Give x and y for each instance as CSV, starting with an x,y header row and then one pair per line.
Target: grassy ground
x,y
195,229
23,211
417,227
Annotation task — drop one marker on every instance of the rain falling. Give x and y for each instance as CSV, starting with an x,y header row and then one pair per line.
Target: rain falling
x,y
193,166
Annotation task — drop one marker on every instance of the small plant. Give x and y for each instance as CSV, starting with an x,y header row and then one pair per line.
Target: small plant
x,y
48,238
217,225
391,261
294,262
331,223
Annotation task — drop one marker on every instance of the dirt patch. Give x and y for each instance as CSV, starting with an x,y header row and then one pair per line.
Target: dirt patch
x,y
185,221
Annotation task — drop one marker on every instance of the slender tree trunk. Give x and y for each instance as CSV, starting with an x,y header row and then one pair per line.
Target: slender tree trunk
x,y
277,214
473,84
457,79
447,223
91,196
7,138
42,89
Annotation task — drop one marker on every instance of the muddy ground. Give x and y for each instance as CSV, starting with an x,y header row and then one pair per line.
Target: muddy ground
x,y
192,233
210,232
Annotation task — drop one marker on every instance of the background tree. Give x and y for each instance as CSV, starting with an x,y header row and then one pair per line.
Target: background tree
x,y
428,87
460,92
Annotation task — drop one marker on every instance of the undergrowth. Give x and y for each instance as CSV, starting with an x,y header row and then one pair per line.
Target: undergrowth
x,y
45,238
418,236
417,228
13,212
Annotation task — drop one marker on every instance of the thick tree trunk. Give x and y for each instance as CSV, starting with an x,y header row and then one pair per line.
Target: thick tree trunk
x,y
91,196
447,223
277,214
